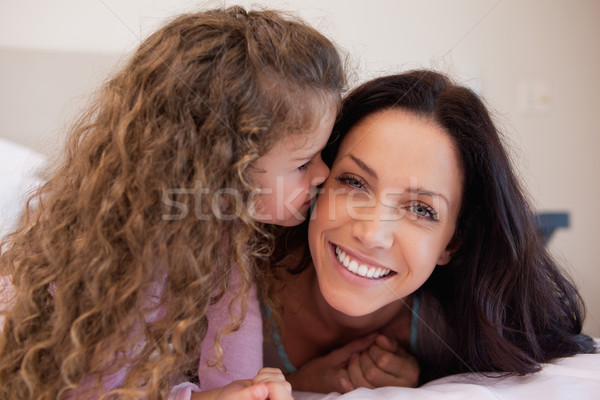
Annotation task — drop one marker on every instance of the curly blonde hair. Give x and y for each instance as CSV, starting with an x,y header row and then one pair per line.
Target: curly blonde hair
x,y
102,280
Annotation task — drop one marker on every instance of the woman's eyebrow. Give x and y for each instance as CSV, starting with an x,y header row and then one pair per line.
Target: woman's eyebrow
x,y
361,164
425,192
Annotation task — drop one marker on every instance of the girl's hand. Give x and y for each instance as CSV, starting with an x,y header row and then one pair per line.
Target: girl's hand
x,y
277,387
328,373
269,383
385,363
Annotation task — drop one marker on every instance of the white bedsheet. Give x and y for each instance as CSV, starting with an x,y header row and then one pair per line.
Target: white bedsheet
x,y
570,378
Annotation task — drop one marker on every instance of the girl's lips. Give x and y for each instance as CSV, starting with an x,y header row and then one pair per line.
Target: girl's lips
x,y
312,197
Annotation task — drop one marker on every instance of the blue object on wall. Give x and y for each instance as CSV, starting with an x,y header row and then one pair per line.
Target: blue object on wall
x,y
547,223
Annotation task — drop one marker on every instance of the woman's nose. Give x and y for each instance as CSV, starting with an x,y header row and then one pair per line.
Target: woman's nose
x,y
373,230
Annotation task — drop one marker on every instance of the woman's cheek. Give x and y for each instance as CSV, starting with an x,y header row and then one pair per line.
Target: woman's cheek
x,y
331,204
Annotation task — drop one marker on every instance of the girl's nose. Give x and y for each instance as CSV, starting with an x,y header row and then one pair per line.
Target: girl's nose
x,y
320,171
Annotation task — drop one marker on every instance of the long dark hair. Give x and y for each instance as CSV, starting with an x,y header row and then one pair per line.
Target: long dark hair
x,y
514,306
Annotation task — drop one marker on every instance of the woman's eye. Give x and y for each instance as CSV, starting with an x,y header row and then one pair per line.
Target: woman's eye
x,y
305,166
351,181
423,210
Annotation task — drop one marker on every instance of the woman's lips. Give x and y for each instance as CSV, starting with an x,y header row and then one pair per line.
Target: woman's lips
x,y
359,267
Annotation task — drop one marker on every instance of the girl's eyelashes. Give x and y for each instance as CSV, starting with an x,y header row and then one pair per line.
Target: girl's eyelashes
x,y
305,166
422,210
353,181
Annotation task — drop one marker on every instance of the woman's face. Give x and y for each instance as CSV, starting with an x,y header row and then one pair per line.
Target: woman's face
x,y
388,212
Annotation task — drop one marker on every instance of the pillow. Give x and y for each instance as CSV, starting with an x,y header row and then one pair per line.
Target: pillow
x,y
19,175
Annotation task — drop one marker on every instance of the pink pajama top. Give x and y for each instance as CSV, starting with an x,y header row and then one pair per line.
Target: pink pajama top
x,y
242,349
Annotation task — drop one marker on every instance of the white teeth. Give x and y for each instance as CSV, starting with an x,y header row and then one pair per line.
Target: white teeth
x,y
353,266
360,269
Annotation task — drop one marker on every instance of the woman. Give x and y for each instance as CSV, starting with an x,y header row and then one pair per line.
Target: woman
x,y
425,252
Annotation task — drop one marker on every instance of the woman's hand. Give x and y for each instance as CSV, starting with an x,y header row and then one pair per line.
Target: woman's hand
x,y
269,383
385,363
328,373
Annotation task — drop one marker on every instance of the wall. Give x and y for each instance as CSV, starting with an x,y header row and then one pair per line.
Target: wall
x,y
535,62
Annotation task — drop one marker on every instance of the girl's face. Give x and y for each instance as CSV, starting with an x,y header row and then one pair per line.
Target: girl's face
x,y
388,212
290,172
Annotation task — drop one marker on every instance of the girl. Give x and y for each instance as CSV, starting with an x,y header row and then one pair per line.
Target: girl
x,y
210,132
425,255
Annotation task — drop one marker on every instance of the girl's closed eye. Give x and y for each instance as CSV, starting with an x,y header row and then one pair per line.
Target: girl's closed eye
x,y
422,210
305,166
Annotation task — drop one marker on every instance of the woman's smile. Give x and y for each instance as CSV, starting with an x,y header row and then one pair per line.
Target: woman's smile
x,y
359,266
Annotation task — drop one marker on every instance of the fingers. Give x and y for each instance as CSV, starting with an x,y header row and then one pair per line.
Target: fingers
x,y
388,361
269,375
383,368
263,391
343,354
401,366
387,343
240,390
378,367
279,390
344,385
321,375
273,382
356,375
257,392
